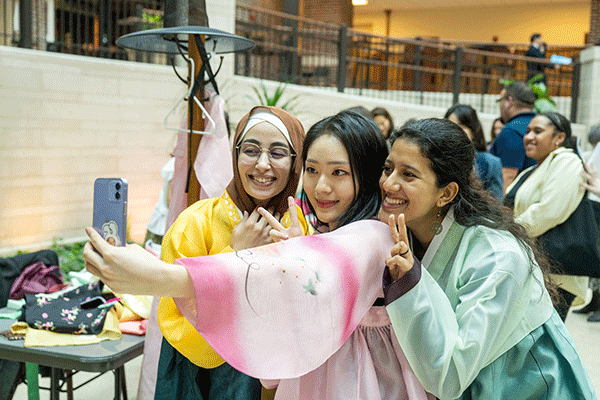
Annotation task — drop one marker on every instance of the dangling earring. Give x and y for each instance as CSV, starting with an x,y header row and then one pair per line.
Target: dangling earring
x,y
436,226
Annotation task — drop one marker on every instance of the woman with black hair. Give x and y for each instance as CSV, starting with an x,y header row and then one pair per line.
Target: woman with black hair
x,y
488,167
474,317
495,130
545,195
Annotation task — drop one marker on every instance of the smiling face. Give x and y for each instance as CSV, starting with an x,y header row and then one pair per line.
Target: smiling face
x,y
327,180
542,138
408,186
264,178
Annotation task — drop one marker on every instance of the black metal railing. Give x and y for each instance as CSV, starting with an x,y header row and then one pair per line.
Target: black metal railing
x,y
288,48
302,51
83,27
308,52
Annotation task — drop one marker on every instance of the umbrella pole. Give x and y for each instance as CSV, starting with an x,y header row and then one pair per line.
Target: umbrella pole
x,y
193,194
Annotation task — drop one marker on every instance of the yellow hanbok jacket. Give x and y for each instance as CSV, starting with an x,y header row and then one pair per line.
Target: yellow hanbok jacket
x,y
202,229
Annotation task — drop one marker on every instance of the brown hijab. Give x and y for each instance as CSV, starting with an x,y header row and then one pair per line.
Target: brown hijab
x,y
279,202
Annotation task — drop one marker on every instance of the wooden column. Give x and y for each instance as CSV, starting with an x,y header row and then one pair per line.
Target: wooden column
x,y
594,35
193,194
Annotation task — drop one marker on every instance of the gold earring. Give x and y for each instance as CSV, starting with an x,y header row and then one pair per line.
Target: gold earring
x,y
436,226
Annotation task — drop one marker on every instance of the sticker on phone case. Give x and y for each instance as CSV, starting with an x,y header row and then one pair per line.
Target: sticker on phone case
x,y
111,233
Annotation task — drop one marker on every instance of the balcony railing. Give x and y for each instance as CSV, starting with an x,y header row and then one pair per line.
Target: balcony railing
x,y
302,51
425,71
83,27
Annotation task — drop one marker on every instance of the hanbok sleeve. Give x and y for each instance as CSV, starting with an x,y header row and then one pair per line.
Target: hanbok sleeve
x,y
281,310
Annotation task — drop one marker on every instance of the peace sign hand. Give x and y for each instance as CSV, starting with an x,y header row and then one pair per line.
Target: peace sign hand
x,y
401,260
252,231
279,232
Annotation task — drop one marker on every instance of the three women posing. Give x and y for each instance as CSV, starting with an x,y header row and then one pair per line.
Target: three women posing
x,y
473,318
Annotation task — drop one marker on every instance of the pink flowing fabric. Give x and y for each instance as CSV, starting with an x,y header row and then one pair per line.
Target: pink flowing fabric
x,y
213,163
280,311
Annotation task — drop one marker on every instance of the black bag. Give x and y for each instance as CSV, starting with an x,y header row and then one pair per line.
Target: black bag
x,y
66,313
574,243
11,268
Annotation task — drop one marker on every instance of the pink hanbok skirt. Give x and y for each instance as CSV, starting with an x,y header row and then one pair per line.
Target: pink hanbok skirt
x,y
370,365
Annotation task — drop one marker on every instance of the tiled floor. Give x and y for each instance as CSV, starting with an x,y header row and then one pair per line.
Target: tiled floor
x,y
585,334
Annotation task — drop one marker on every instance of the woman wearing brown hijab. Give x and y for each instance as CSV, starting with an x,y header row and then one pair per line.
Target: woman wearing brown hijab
x,y
266,171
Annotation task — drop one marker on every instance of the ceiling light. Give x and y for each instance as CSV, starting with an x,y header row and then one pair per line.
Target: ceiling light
x,y
359,2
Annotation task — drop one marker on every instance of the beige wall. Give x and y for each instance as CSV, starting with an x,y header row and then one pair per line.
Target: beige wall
x,y
559,23
66,120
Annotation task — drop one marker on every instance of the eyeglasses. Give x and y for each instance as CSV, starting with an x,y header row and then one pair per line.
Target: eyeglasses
x,y
250,153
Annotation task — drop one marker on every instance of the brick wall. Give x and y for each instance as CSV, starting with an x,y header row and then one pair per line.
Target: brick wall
x,y
594,35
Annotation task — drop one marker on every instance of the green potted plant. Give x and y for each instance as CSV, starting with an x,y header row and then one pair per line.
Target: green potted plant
x,y
543,102
275,99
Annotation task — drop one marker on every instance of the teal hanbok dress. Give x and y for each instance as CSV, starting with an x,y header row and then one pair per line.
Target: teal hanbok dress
x,y
476,322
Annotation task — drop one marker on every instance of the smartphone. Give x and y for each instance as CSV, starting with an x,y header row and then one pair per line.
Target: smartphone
x,y
92,303
110,209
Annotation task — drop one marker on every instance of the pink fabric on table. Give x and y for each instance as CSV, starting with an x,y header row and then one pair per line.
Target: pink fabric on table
x,y
134,327
280,311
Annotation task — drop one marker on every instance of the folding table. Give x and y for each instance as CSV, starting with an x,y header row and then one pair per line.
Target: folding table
x,y
109,355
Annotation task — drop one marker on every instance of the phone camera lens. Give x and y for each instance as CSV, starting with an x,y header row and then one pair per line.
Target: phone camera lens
x,y
117,195
118,186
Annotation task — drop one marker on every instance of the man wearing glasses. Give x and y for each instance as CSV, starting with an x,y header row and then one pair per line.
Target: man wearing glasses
x,y
516,111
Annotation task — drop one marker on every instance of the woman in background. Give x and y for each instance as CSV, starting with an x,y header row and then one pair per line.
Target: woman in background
x,y
545,195
497,126
488,167
384,121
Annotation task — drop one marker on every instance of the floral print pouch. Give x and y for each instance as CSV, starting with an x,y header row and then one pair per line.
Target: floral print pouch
x,y
64,314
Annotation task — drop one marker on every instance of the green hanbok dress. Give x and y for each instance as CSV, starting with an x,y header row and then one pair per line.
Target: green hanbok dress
x,y
476,322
